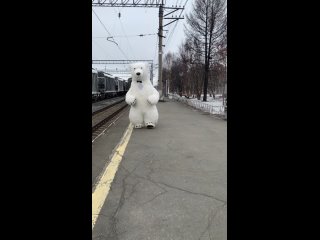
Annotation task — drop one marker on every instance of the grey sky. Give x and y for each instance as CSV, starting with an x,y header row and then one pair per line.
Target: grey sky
x,y
134,21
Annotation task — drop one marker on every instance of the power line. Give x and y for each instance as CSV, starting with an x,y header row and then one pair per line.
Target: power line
x,y
101,23
119,15
127,38
123,52
109,34
136,35
176,23
100,47
172,32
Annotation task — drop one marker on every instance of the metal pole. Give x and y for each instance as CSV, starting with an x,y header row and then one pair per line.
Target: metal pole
x,y
160,83
151,77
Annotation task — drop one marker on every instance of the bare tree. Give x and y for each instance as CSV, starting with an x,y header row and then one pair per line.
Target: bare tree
x,y
195,55
217,78
168,58
206,26
191,55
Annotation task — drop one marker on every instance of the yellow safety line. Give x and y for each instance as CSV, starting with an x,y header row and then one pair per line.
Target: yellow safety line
x,y
102,188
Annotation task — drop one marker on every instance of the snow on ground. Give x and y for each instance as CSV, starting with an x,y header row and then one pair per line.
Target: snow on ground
x,y
213,106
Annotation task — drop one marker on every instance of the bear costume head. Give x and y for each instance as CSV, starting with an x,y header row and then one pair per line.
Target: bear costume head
x,y
140,72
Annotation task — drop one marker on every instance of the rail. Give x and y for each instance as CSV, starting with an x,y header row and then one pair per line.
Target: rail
x,y
102,116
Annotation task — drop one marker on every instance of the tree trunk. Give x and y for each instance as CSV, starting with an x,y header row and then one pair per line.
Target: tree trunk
x,y
205,84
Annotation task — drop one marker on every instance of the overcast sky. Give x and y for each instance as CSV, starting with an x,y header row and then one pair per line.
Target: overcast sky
x,y
134,21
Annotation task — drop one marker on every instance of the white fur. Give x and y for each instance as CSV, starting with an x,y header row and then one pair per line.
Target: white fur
x,y
142,97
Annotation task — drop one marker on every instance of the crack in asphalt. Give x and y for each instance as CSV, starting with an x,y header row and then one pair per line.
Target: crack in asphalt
x,y
195,193
159,194
114,234
211,217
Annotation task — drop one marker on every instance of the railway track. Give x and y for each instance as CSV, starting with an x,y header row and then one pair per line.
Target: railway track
x,y
104,115
100,107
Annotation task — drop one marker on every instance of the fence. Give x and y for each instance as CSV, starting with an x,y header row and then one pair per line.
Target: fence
x,y
203,106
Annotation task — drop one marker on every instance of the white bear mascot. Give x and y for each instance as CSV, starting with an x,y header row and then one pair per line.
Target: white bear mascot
x,y
142,97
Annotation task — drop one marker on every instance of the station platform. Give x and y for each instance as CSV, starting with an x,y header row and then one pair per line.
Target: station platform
x,y
171,182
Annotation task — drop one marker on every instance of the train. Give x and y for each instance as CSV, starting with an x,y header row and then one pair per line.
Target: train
x,y
105,85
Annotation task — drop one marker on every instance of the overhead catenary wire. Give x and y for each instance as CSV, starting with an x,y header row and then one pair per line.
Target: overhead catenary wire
x,y
118,14
100,47
105,28
174,27
169,34
171,29
110,35
135,35
130,47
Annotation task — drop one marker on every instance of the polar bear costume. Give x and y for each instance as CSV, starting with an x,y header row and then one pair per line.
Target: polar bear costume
x,y
142,97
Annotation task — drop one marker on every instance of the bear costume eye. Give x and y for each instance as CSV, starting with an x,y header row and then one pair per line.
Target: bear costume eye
x,y
134,68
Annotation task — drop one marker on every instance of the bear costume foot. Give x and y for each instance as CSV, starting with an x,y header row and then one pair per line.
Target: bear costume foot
x,y
138,126
150,125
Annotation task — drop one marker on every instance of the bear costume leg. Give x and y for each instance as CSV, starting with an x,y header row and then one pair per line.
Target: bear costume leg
x,y
136,118
151,117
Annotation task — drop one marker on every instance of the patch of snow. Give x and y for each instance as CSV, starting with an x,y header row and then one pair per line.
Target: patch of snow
x,y
213,106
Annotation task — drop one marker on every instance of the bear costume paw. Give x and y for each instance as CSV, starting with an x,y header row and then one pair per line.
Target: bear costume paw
x,y
150,125
133,102
138,126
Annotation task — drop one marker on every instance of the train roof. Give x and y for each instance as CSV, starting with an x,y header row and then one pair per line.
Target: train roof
x,y
108,75
120,79
105,74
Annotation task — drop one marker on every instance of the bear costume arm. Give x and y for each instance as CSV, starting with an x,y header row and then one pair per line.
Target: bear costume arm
x,y
130,99
154,98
